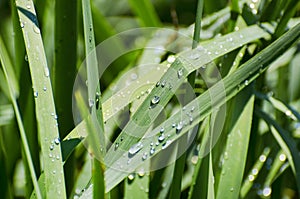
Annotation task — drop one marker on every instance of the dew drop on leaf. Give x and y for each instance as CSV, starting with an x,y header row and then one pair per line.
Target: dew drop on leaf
x,y
180,73
161,138
57,141
36,94
131,176
135,148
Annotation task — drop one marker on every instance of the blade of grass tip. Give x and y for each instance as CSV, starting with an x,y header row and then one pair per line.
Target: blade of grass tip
x,y
286,142
238,138
97,138
13,94
146,12
175,190
44,103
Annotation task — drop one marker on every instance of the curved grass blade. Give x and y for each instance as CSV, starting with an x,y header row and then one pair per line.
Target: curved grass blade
x,y
233,84
13,95
44,103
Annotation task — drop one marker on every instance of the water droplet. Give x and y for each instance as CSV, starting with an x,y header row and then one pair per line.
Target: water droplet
x,y
36,29
141,172
163,84
230,39
246,83
135,148
164,184
116,146
288,113
254,171
162,130
152,150
231,189
191,120
180,73
131,176
36,94
267,191
262,158
57,157
57,141
179,127
250,178
46,72
133,76
26,58
45,88
241,36
166,144
157,84
171,58
51,147
161,138
155,100
194,159
282,157
173,125
54,172
144,157
22,24
252,6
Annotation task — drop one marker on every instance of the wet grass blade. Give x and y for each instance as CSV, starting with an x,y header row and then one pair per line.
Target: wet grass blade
x,y
44,103
232,84
238,138
286,142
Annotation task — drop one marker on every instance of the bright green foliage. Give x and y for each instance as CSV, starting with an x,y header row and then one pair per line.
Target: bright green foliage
x,y
227,84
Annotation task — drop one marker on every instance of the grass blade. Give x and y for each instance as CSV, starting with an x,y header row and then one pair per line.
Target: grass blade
x,y
19,120
44,103
238,138
146,12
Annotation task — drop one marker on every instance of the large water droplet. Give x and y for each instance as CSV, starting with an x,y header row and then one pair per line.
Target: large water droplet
x,y
161,138
171,58
250,178
162,130
254,171
157,84
155,100
57,141
135,148
22,24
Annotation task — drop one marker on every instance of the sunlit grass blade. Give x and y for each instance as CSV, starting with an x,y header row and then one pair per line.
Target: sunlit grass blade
x,y
44,103
238,138
13,96
286,142
253,173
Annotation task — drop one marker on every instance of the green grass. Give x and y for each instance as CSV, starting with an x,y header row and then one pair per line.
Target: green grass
x,y
227,85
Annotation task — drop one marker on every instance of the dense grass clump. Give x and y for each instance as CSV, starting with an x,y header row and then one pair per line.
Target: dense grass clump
x,y
149,99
